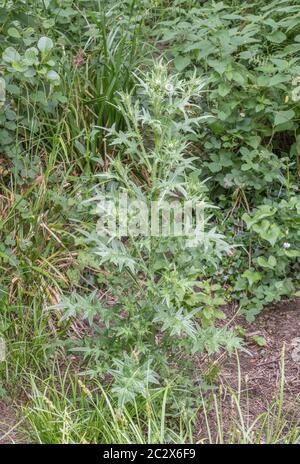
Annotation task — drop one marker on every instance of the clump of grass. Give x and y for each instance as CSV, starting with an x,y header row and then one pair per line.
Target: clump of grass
x,y
69,410
66,409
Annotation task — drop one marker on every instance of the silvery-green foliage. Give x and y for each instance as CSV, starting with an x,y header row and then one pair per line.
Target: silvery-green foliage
x,y
160,305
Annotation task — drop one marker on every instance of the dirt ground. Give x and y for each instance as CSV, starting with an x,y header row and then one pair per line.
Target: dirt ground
x,y
7,424
259,370
280,327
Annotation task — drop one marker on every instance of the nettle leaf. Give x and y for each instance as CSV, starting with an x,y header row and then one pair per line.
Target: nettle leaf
x,y
278,79
283,116
253,141
263,81
272,261
45,45
292,253
239,78
219,66
272,234
224,89
181,62
276,37
252,276
5,137
262,227
268,264
262,212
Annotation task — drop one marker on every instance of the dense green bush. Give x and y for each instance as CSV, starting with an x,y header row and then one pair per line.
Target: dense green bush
x,y
250,151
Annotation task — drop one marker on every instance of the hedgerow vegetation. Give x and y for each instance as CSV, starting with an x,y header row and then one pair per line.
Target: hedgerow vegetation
x,y
155,99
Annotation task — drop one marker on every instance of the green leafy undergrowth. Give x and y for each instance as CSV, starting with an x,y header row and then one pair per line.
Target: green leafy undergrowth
x,y
250,149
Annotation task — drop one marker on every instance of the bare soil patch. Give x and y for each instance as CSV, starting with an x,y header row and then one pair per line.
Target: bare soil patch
x,y
259,372
7,423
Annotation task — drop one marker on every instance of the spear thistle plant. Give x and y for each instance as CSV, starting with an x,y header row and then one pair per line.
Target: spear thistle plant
x,y
160,316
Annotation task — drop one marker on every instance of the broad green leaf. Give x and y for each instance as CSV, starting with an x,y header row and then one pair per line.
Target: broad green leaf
x,y
272,261
292,253
283,116
278,79
252,276
181,62
263,211
224,89
219,66
30,73
13,32
10,55
276,37
272,234
268,264
263,81
45,45
254,141
53,76
239,78
31,56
